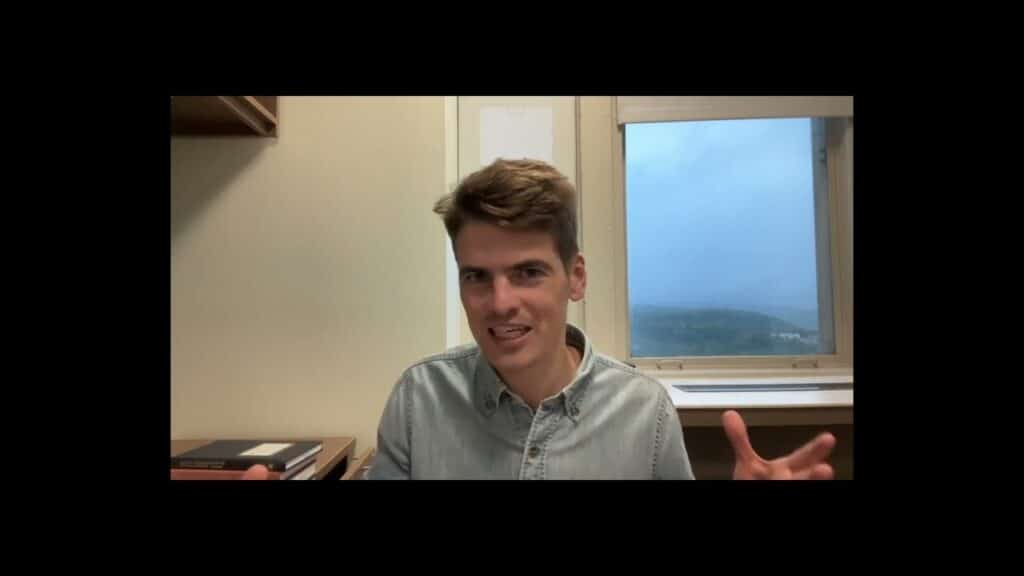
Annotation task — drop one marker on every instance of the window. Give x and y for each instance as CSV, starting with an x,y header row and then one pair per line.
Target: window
x,y
718,233
721,238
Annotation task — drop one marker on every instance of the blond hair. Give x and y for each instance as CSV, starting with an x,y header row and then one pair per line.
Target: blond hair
x,y
519,194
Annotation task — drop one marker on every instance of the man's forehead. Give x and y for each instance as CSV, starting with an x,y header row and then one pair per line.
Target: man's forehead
x,y
487,244
504,257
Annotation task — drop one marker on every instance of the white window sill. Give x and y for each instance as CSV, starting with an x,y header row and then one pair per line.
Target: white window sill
x,y
825,398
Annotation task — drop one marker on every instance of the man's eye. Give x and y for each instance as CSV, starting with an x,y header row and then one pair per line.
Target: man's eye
x,y
470,276
531,273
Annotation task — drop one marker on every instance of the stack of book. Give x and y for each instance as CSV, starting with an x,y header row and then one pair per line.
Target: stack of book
x,y
229,459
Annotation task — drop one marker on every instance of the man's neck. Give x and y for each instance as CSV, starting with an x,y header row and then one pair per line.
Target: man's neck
x,y
546,380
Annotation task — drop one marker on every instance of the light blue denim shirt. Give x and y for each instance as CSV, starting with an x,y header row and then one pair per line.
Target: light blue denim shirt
x,y
451,417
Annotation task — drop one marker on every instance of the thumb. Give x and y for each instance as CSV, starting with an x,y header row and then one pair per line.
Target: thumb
x,y
736,431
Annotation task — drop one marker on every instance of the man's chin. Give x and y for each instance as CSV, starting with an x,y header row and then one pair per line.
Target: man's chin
x,y
505,362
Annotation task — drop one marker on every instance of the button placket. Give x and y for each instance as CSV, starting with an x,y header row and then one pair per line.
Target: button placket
x,y
533,466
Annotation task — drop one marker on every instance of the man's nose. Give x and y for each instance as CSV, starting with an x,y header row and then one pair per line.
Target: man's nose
x,y
503,297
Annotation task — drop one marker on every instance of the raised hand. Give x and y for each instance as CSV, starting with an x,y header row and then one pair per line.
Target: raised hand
x,y
804,463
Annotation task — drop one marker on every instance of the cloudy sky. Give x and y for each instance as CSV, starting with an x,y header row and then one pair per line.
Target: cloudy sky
x,y
721,213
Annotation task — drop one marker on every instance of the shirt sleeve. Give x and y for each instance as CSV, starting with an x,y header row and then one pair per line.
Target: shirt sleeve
x,y
393,437
671,459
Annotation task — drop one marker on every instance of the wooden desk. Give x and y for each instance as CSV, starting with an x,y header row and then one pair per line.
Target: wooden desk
x,y
331,463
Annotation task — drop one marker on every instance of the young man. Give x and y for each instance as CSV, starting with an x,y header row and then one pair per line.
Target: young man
x,y
532,399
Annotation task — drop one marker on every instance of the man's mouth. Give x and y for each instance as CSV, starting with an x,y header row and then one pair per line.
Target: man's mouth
x,y
508,332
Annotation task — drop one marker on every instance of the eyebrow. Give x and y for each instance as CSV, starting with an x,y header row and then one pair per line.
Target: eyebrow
x,y
519,265
533,264
464,269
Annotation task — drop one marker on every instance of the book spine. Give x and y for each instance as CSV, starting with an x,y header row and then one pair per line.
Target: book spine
x,y
198,474
224,464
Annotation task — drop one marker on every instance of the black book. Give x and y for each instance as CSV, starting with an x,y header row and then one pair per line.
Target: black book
x,y
277,456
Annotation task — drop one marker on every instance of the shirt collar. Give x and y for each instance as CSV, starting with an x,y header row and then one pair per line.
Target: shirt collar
x,y
490,389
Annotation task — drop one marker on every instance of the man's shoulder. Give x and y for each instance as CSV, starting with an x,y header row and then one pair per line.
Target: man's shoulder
x,y
607,366
457,363
626,379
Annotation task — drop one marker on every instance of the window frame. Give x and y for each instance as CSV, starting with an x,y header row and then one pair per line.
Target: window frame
x,y
606,317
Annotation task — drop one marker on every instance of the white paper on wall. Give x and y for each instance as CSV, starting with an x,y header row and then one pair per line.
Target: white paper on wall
x,y
515,132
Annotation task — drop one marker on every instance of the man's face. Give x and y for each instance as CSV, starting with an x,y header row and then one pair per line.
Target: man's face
x,y
516,291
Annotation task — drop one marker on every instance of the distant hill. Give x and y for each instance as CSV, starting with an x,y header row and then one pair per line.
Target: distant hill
x,y
665,331
806,319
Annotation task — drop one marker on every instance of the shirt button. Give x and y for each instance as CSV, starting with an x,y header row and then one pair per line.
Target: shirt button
x,y
489,404
574,411
534,451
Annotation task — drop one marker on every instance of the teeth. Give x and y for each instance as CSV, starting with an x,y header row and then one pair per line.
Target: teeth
x,y
509,332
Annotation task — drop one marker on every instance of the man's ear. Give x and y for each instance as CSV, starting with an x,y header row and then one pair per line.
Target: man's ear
x,y
577,278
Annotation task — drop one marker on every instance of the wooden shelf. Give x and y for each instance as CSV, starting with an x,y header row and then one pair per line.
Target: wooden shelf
x,y
224,115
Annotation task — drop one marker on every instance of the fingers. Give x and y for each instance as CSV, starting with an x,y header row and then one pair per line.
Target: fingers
x,y
256,472
822,472
818,472
736,431
811,453
755,470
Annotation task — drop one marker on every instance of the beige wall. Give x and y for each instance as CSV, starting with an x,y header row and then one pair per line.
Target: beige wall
x,y
308,271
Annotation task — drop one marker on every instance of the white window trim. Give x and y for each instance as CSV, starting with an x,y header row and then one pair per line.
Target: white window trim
x,y
601,182
636,109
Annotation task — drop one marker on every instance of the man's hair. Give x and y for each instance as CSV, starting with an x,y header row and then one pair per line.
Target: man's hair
x,y
518,194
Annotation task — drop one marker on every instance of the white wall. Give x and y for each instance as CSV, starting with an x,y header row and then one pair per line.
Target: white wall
x,y
308,271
